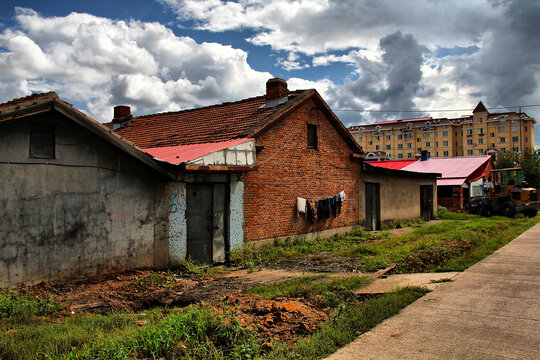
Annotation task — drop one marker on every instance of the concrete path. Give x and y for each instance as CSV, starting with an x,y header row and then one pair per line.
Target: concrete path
x,y
490,311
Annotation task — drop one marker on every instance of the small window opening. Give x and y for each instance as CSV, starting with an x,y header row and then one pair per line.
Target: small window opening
x,y
312,136
42,141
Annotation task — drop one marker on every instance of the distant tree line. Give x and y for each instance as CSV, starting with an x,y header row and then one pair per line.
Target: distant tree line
x,y
528,160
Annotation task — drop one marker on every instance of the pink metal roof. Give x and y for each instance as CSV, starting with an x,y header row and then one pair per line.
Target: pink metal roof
x,y
456,167
451,182
182,153
391,164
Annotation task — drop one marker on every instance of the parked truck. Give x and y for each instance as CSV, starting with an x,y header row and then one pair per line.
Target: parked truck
x,y
506,193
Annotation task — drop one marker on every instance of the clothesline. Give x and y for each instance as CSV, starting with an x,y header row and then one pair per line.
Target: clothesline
x,y
323,208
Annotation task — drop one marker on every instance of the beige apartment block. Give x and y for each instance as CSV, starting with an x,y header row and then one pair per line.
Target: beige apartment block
x,y
469,135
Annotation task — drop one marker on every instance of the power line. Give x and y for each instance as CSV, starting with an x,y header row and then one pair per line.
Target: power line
x,y
420,111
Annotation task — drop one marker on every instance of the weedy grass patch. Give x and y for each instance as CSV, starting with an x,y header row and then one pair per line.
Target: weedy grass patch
x,y
353,320
333,291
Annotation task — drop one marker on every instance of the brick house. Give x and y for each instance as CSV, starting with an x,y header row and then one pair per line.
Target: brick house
x,y
303,150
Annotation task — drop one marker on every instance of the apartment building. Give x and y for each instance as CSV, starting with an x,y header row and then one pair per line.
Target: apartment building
x,y
469,135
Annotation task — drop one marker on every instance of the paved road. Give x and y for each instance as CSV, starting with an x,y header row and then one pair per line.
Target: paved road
x,y
490,311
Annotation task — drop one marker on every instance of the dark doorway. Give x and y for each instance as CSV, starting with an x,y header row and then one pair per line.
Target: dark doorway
x,y
426,202
205,216
373,211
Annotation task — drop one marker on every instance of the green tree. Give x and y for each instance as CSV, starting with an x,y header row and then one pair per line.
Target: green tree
x,y
530,163
507,159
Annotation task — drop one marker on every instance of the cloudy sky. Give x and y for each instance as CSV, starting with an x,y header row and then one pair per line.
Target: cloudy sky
x,y
397,59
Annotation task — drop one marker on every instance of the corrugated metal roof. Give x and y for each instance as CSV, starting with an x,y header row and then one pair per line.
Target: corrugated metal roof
x,y
456,167
451,182
182,153
391,164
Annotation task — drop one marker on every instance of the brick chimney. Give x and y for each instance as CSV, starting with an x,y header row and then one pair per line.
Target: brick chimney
x,y
276,88
122,113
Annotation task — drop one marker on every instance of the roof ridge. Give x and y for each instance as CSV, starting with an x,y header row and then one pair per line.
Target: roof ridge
x,y
225,103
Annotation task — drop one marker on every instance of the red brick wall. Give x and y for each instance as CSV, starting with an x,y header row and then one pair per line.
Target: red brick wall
x,y
287,169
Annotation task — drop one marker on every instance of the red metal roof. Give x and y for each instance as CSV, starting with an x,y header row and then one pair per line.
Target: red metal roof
x,y
451,182
456,167
391,164
182,153
201,125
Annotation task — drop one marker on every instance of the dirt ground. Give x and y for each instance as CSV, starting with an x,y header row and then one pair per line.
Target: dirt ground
x,y
280,319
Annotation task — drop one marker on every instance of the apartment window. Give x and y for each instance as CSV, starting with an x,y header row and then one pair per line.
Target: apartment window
x,y
481,140
481,131
360,138
479,120
418,139
400,146
419,149
503,149
377,138
407,136
515,128
456,133
491,134
409,155
469,132
409,146
469,152
426,134
515,138
516,149
501,128
469,142
436,144
502,139
428,144
525,128
480,151
377,147
456,143
399,136
492,146
370,142
311,136
445,153
437,154
42,141
388,137
388,147
526,139
445,133
445,143
400,156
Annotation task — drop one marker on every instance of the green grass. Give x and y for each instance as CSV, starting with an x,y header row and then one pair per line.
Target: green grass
x,y
17,308
250,258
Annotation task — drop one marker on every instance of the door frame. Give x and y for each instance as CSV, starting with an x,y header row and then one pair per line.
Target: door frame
x,y
226,215
426,214
375,191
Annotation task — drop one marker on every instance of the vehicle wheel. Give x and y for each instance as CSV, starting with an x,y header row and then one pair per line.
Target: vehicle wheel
x,y
509,209
485,210
531,213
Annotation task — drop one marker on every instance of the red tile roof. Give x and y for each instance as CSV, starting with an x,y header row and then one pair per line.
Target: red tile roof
x,y
28,98
201,125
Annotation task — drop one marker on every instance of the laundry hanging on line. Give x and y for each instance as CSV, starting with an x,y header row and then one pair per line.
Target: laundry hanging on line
x,y
325,208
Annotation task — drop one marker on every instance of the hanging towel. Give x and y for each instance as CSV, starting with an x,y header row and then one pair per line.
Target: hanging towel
x,y
337,200
342,195
333,205
323,209
300,206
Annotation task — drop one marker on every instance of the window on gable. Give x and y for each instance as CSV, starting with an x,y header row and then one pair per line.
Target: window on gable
x,y
42,141
312,136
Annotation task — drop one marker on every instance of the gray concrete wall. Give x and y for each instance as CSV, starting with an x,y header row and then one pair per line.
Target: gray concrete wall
x,y
91,210
400,196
